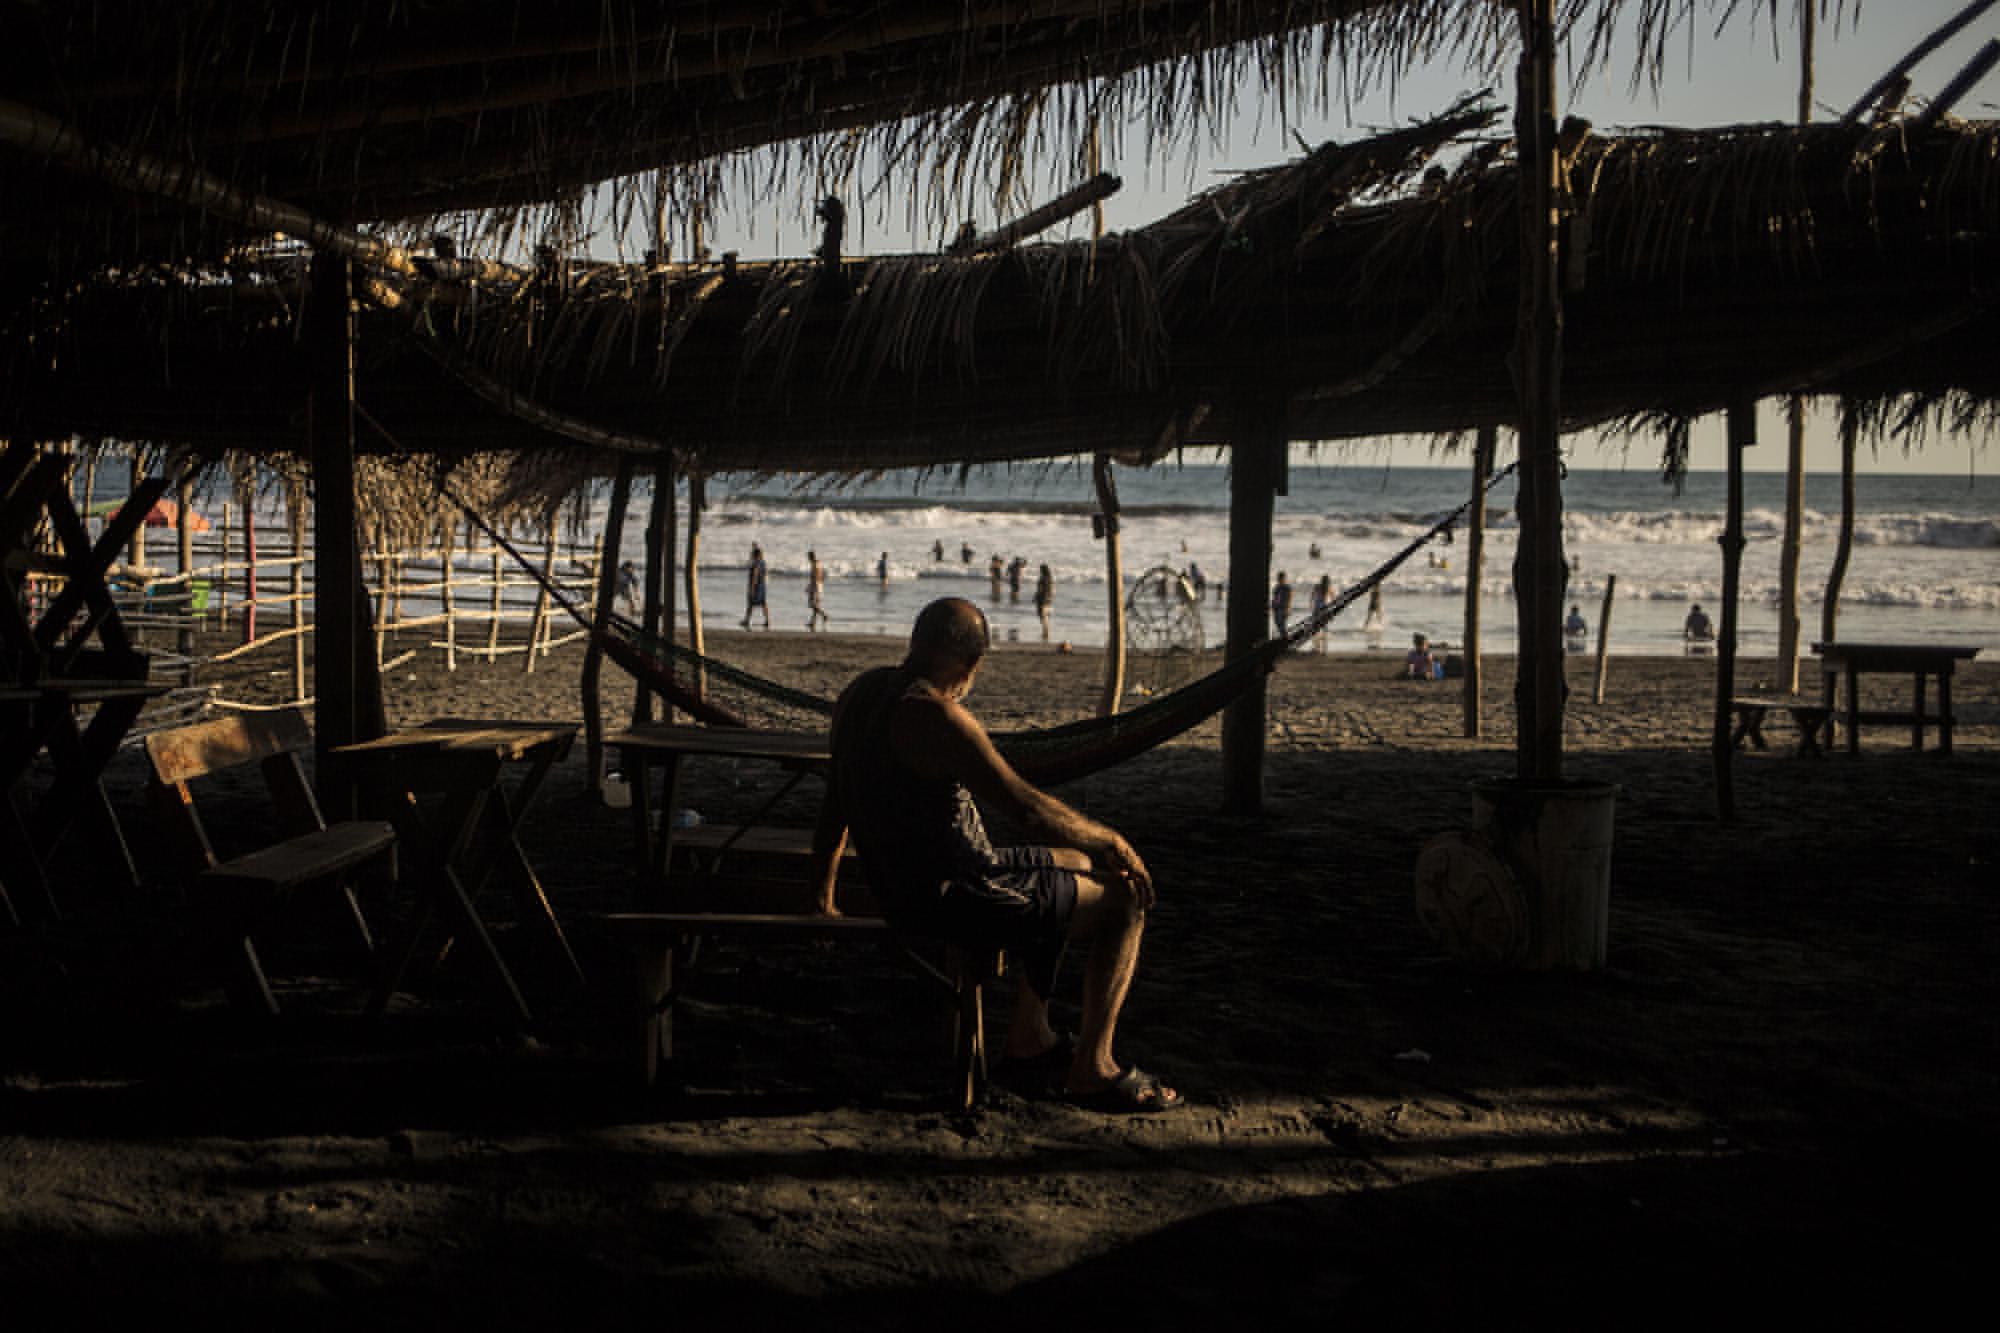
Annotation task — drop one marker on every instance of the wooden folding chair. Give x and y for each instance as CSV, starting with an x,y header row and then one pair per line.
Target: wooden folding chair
x,y
236,896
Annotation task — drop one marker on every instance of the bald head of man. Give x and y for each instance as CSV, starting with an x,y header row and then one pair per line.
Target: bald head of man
x,y
948,642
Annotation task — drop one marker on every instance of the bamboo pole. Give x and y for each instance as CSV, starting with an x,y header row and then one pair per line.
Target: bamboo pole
x,y
249,561
41,135
221,584
600,627
1256,460
1742,435
493,610
1938,37
184,532
381,595
697,501
538,623
1475,574
1091,194
1114,575
298,591
1539,568
445,604
1604,638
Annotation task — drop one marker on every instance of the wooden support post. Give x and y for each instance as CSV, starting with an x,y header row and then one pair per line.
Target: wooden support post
x,y
136,550
669,474
1787,681
1829,611
1540,571
649,615
697,501
607,600
1742,434
338,646
1256,464
1114,575
1475,574
1604,638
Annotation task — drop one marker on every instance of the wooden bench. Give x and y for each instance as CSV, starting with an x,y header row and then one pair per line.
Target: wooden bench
x,y
237,895
665,943
1811,719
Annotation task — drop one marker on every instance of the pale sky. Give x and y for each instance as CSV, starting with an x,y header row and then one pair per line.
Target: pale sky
x,y
1744,73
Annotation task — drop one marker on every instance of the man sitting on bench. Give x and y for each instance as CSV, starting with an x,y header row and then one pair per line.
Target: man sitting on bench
x,y
911,767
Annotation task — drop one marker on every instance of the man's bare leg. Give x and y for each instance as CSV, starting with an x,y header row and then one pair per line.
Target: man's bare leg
x,y
1113,921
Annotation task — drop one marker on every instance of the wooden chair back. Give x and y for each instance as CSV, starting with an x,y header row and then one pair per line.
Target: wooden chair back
x,y
273,741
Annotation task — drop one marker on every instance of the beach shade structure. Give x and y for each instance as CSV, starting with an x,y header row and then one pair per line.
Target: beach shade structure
x,y
1355,292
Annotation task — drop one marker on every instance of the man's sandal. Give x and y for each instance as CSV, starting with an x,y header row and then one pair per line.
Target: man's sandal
x,y
1134,1091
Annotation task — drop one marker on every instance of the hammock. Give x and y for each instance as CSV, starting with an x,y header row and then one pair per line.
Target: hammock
x,y
1045,755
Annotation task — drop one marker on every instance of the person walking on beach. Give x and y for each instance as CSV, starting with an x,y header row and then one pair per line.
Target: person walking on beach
x,y
755,592
912,768
1045,598
815,593
1281,603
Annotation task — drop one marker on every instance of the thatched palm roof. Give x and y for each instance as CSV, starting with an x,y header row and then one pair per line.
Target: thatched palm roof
x,y
1371,285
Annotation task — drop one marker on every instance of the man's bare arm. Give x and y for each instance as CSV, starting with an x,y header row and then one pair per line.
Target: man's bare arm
x,y
829,845
942,736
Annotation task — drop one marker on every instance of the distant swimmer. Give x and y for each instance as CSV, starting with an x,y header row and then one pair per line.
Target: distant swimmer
x,y
882,570
937,549
965,553
1697,630
1574,628
1314,552
995,572
1014,569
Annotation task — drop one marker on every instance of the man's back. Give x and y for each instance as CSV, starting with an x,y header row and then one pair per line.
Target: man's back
x,y
913,831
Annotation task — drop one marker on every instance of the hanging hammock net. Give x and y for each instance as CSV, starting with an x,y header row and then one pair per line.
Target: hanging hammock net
x,y
715,692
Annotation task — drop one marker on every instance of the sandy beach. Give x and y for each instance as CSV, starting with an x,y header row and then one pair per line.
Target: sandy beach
x,y
1773,1101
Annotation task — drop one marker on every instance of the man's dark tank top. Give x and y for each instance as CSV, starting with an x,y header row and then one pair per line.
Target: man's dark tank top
x,y
915,834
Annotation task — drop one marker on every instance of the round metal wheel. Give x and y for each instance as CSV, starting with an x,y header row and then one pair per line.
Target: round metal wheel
x,y
1163,633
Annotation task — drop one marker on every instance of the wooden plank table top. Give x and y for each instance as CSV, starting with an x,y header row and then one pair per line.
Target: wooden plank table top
x,y
667,740
506,740
1896,656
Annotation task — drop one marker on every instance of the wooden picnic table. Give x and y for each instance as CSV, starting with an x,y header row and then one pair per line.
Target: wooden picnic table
x,y
1921,661
472,832
665,745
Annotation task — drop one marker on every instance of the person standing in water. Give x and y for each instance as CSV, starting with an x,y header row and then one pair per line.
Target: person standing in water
x,y
1045,598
